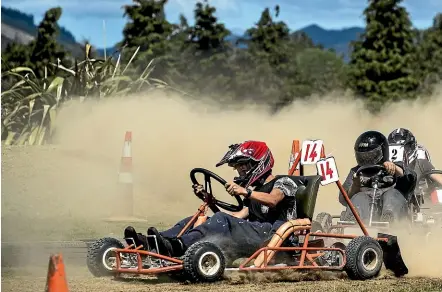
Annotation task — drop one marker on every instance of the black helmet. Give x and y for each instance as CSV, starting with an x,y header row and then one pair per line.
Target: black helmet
x,y
405,138
371,148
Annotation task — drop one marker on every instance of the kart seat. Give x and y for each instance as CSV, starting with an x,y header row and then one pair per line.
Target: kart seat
x,y
306,195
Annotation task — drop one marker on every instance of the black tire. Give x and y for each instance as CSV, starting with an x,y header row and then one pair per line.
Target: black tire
x,y
348,216
357,252
197,253
95,253
326,221
316,227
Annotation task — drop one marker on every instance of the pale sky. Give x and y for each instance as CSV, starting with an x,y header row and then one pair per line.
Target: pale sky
x,y
84,19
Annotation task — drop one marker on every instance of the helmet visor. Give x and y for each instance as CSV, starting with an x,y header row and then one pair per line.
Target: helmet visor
x,y
371,157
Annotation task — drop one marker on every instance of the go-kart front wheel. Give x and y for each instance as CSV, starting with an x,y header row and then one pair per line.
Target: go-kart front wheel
x,y
204,262
101,259
364,258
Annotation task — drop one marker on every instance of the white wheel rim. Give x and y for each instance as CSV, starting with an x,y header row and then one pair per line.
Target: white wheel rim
x,y
108,258
369,259
209,263
339,256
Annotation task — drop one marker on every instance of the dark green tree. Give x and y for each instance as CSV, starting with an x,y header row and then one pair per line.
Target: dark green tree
x,y
15,55
270,65
148,29
258,67
321,70
429,55
178,42
382,60
206,53
45,49
208,35
267,36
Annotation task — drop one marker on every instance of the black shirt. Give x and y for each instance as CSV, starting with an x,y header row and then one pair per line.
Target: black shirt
x,y
283,211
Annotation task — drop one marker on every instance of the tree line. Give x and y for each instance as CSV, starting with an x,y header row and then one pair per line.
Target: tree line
x,y
270,65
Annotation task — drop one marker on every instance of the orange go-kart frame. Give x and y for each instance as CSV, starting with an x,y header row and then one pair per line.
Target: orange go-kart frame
x,y
263,255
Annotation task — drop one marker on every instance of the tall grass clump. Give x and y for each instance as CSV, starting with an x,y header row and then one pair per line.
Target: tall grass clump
x,y
30,104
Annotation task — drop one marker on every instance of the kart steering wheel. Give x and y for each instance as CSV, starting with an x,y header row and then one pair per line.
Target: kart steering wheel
x,y
375,172
207,195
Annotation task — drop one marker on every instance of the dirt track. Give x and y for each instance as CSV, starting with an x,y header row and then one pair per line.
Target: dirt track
x,y
63,192
79,280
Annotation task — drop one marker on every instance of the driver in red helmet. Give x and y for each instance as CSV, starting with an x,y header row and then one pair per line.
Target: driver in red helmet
x,y
269,202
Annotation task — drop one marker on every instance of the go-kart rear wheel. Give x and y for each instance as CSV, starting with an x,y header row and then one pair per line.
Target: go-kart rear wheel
x,y
204,262
364,258
101,258
326,221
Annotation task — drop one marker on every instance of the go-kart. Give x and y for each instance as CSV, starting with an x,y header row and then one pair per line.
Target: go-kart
x,y
417,198
206,261
426,203
372,177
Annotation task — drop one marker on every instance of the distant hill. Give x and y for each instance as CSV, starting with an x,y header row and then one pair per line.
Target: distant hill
x,y
20,27
337,39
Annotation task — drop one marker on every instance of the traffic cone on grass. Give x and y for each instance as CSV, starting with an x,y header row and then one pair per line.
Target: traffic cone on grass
x,y
124,210
56,280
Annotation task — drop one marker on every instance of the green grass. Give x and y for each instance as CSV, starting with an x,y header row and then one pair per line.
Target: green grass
x,y
30,105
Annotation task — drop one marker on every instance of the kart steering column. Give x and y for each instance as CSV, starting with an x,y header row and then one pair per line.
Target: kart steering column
x,y
201,211
373,198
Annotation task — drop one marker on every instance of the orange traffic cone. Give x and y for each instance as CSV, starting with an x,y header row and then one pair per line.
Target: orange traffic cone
x,y
125,178
56,280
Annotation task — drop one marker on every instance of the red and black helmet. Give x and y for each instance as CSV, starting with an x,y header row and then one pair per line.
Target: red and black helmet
x,y
255,152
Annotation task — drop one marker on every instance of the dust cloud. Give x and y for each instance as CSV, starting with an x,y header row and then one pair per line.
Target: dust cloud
x,y
72,183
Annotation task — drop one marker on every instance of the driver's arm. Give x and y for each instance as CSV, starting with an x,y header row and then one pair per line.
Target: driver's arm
x,y
428,166
437,177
